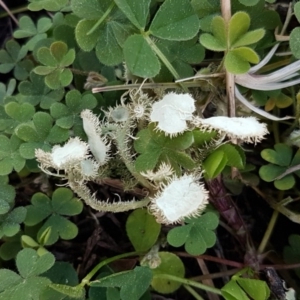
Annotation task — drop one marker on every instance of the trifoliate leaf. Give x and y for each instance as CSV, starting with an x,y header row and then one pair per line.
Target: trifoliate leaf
x,y
55,59
197,235
36,92
39,133
12,59
155,148
62,203
28,29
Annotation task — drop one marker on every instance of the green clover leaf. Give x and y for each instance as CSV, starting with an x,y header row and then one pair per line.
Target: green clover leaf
x,y
52,211
142,229
11,246
182,55
39,133
12,59
196,235
7,195
37,92
241,288
55,60
66,284
68,115
225,155
29,30
28,285
272,99
133,284
280,160
154,147
175,20
50,5
107,39
233,40
10,158
10,222
170,264
7,90
291,253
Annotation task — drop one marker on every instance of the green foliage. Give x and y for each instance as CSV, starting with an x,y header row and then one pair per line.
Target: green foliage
x,y
51,5
6,91
154,147
109,43
36,92
142,229
13,58
240,288
55,60
117,39
67,115
39,133
29,30
52,212
280,159
11,246
295,34
64,283
28,285
10,217
196,235
291,253
132,284
233,40
170,264
10,157
272,99
225,155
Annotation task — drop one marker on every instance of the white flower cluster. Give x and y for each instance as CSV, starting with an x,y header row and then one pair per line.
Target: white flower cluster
x,y
181,197
73,157
173,112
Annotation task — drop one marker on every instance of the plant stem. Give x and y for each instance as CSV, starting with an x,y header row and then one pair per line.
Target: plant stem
x,y
164,60
270,228
108,11
193,292
226,13
151,85
9,12
88,277
14,11
189,282
123,150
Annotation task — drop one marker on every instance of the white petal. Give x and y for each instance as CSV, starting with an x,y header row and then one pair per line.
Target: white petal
x,y
182,197
245,129
98,146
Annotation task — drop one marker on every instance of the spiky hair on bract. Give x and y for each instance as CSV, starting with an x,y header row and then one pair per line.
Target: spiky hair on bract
x,y
179,198
98,145
163,172
62,157
247,129
172,113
